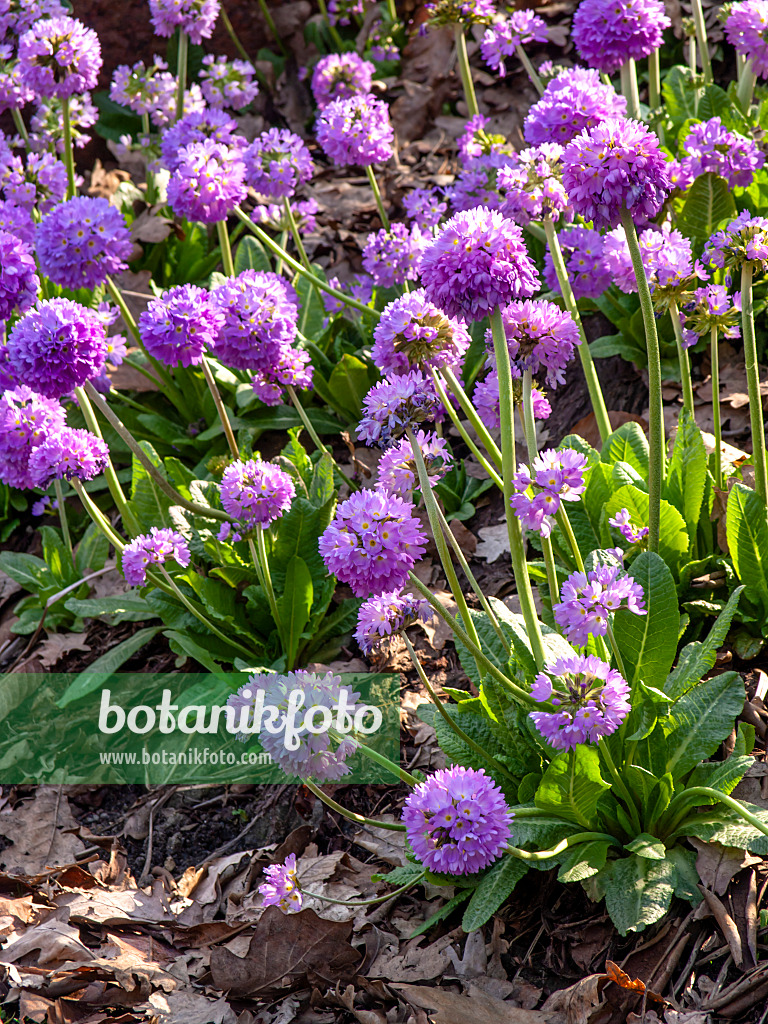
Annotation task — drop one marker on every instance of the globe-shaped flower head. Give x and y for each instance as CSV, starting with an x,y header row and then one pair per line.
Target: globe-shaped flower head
x,y
414,334
256,493
339,76
178,327
195,17
26,420
380,617
260,311
143,89
394,404
18,278
746,29
68,454
392,257
607,33
397,470
355,131
17,16
541,338
82,241
197,126
57,346
476,263
615,166
13,91
154,548
533,189
228,83
589,599
208,182
277,162
711,149
457,822
60,57
576,99
502,39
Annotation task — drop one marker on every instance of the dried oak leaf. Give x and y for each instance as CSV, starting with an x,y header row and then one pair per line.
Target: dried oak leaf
x,y
36,831
286,947
450,1008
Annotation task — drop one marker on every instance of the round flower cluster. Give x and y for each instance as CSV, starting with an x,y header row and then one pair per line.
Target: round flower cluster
x,y
195,17
39,182
260,311
554,477
277,162
476,263
68,454
57,346
622,521
177,328
255,493
588,599
424,206
582,250
591,697
533,189
339,76
713,306
59,57
18,278
617,260
80,242
282,886
502,39
474,186
373,542
457,822
397,472
356,130
47,126
485,399
13,91
414,334
317,697
608,33
576,99
17,220
745,30
26,420
380,617
294,369
711,148
17,16
392,257
228,83
541,338
745,240
154,548
615,166
208,182
198,126
144,90
394,404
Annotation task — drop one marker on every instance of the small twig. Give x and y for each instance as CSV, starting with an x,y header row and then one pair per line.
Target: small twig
x,y
150,837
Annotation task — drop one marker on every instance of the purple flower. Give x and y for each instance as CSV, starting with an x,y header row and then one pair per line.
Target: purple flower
x,y
154,548
392,405
614,166
485,399
277,162
592,699
392,257
40,181
48,127
260,312
622,521
380,617
68,454
502,39
414,334
17,220
178,327
576,99
617,260
608,33
293,369
476,263
208,182
745,30
16,16
711,149
228,83
713,306
144,90
588,599
540,336
457,822
18,278
424,206
474,186
57,346
582,250
533,188
382,44
59,57
340,12
255,493
355,131
339,76
198,126
195,17
475,142
80,242
460,12
745,240
282,887
554,477
397,472
373,542
13,91
669,264
26,420
273,216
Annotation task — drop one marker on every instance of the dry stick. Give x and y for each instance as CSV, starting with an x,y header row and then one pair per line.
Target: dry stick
x,y
221,409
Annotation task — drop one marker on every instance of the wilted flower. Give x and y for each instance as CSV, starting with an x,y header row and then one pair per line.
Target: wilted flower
x,y
745,240
154,548
713,307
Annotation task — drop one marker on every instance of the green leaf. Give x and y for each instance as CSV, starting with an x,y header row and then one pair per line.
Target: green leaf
x,y
15,689
251,255
701,720
30,572
679,95
572,785
57,556
627,444
697,658
92,677
687,472
294,606
637,891
747,532
673,541
492,891
348,385
648,643
119,608
709,202
647,846
186,647
444,911
312,313
321,488
583,860
148,503
92,551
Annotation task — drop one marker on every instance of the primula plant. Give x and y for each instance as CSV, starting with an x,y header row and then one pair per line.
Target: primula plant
x,y
588,739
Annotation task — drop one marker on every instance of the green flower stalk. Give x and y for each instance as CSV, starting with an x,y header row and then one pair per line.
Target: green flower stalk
x,y
753,382
181,71
714,359
630,89
683,360
701,39
464,70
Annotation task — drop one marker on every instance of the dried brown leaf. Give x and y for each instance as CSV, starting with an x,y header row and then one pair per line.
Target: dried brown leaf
x,y
450,1008
36,830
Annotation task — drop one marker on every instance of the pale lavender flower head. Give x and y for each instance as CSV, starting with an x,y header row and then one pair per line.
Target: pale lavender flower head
x,y
17,220
614,166
380,617
198,126
745,30
293,368
82,241
474,186
154,548
533,188
356,130
373,542
457,822
273,215
13,91
414,334
576,99
395,403
59,57
745,240
228,83
282,887
502,39
26,420
208,183
18,276
553,477
622,521
592,701
541,338
339,76
424,206
397,472
607,33
392,257
57,346
485,399
195,17
68,454
476,263
669,264
589,599
711,149
276,163
17,16
255,493
260,312
617,260
582,250
177,328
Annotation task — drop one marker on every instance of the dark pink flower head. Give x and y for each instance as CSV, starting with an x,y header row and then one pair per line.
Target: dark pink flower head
x,y
59,57
607,33
82,241
476,263
458,821
154,548
356,130
26,420
746,30
575,99
541,338
68,454
195,17
208,182
277,162
414,334
339,76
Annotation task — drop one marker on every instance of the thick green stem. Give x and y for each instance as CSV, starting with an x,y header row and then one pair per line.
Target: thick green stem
x,y
69,154
587,363
529,425
692,64
616,651
314,435
565,525
561,847
117,298
367,903
654,80
151,193
337,40
263,563
701,37
656,415
221,409
525,60
753,382
746,87
358,819
18,121
61,508
465,70
109,473
377,196
395,769
470,412
508,468
629,88
297,240
620,785
193,610
683,360
97,516
391,10
234,36
226,249
465,434
181,71
714,359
